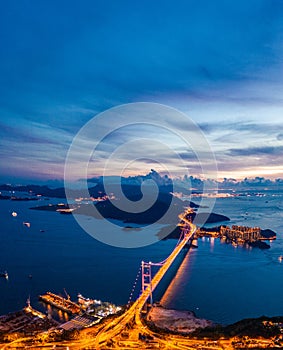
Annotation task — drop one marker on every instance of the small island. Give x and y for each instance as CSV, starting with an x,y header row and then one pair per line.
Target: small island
x,y
240,235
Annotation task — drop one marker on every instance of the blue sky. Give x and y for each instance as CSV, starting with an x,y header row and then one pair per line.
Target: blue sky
x,y
63,62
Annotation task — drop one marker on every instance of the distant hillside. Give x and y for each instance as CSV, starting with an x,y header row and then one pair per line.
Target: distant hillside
x,y
108,210
36,190
129,190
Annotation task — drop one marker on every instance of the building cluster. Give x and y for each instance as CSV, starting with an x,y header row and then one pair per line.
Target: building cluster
x,y
241,233
201,232
27,321
97,308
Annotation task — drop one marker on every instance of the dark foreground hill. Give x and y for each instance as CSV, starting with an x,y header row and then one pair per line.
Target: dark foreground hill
x,y
265,327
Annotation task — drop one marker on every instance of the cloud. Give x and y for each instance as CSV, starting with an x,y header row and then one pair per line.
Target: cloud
x,y
19,135
242,126
57,72
257,151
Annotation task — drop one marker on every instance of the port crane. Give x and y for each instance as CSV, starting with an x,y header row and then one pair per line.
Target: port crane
x,y
67,295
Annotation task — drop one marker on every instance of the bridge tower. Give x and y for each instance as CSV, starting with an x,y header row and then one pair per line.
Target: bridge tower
x,y
146,278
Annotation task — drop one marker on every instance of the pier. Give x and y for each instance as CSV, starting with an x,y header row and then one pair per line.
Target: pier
x,y
60,303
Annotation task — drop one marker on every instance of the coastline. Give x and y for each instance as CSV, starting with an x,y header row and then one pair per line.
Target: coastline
x,y
28,327
176,321
184,323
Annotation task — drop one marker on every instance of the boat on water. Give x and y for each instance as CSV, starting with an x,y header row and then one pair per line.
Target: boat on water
x,y
27,224
60,303
4,274
280,258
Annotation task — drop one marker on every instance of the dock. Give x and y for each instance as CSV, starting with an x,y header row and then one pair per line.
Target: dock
x,y
60,303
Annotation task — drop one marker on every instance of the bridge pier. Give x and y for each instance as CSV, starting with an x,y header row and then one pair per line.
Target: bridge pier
x,y
146,278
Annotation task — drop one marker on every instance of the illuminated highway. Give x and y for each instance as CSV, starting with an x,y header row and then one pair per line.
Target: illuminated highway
x,y
131,319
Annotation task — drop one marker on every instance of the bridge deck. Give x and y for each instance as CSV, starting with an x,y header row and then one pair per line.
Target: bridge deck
x,y
164,268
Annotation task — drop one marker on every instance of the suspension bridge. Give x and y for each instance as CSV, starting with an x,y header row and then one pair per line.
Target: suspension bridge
x,y
132,318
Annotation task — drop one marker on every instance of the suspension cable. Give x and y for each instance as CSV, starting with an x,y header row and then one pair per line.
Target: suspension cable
x,y
134,286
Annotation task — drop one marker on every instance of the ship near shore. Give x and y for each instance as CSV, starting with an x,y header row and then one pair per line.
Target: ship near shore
x,y
60,303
